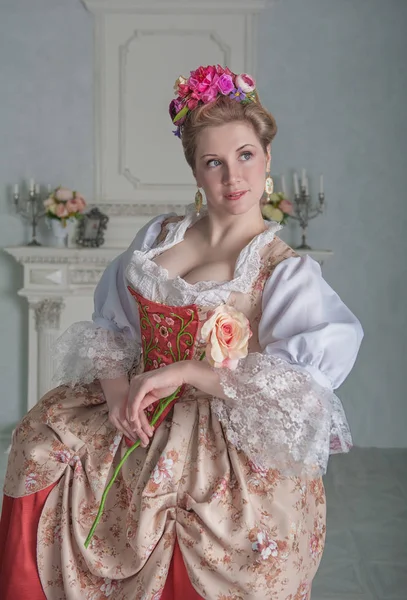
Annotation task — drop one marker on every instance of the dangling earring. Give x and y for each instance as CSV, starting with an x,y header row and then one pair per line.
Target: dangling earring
x,y
198,202
269,186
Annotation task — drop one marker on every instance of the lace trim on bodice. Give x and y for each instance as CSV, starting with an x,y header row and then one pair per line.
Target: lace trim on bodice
x,y
154,282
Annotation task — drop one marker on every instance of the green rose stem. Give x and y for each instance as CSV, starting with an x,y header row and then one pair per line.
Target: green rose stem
x,y
164,402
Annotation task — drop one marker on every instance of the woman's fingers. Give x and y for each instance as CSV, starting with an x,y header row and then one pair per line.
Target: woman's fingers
x,y
147,428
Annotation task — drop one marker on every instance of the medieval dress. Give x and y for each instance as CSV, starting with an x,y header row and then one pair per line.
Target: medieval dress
x,y
234,486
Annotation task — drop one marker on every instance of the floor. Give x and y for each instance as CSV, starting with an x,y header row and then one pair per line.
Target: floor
x,y
365,556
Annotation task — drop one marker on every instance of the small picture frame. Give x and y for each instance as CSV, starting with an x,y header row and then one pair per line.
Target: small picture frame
x,y
91,227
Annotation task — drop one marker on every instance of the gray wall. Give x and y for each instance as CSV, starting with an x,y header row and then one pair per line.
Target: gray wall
x,y
333,75
46,132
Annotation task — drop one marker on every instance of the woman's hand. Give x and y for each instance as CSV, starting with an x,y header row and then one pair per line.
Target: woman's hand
x,y
147,388
116,395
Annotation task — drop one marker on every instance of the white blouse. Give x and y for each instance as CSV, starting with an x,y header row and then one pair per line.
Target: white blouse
x,y
309,342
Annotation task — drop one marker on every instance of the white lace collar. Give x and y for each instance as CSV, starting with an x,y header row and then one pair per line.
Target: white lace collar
x,y
247,266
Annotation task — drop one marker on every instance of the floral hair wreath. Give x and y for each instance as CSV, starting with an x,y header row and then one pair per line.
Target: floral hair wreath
x,y
204,85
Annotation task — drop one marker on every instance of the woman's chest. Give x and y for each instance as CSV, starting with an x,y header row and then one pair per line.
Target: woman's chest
x,y
194,261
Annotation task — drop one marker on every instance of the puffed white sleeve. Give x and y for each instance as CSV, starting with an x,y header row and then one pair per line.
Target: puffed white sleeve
x,y
281,409
107,346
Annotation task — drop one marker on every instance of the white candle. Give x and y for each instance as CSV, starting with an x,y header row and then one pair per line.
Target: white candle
x,y
283,188
16,189
37,189
296,186
306,186
32,185
321,184
304,178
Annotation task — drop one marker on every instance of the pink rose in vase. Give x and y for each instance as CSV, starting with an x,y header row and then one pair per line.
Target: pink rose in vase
x,y
61,211
76,205
63,194
286,206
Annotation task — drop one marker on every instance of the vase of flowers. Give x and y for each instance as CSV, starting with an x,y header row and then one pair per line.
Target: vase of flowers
x,y
277,208
63,208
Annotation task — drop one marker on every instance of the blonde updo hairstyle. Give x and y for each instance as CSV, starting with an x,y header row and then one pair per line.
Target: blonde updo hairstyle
x,y
221,111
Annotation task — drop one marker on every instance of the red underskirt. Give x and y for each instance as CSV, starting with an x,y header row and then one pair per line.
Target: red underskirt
x,y
19,578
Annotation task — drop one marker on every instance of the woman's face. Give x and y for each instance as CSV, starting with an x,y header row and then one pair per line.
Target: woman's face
x,y
229,158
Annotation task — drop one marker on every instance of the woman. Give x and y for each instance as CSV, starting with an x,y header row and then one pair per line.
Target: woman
x,y
224,499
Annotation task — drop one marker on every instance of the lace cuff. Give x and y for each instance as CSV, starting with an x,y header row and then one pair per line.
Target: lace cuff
x,y
85,352
280,416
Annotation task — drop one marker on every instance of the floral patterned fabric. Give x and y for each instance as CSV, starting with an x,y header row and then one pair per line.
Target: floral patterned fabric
x,y
245,531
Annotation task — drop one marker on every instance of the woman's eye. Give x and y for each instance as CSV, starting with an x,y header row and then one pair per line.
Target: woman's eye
x,y
214,160
211,161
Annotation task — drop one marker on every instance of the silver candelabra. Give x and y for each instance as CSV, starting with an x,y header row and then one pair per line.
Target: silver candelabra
x,y
31,210
304,212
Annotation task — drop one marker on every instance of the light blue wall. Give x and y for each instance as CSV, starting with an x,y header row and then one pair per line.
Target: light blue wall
x,y
46,132
333,75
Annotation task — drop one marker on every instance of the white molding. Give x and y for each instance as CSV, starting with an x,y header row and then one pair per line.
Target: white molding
x,y
100,257
127,209
134,179
176,6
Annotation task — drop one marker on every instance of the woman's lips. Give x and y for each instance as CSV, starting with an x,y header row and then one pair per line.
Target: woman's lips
x,y
235,196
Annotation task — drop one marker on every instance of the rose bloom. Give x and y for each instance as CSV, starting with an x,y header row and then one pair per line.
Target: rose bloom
x,y
49,202
225,84
272,213
61,211
63,194
226,333
76,205
245,82
286,206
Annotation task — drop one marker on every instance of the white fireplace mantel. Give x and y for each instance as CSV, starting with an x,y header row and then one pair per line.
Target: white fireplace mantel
x,y
176,6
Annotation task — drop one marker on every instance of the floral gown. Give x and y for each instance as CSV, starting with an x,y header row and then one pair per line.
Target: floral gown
x,y
238,484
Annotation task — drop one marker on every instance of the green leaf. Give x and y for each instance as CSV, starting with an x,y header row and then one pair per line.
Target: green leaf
x,y
181,114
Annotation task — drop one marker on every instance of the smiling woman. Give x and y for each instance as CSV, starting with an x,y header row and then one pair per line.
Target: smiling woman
x,y
212,318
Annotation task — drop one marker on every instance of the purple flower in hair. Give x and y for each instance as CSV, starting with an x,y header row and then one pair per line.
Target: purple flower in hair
x,y
177,132
237,94
225,84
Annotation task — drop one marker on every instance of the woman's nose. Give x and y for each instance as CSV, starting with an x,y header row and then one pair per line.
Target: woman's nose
x,y
231,174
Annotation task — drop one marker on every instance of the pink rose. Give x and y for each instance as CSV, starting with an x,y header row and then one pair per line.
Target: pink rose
x,y
226,333
245,82
63,194
202,79
209,95
225,84
221,70
76,205
61,211
286,206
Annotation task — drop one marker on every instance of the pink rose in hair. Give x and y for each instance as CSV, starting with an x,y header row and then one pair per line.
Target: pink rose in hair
x,y
225,84
202,79
209,95
245,82
286,206
63,194
223,70
192,103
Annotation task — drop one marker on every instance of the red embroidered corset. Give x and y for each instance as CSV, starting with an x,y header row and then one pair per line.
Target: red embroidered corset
x,y
168,335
